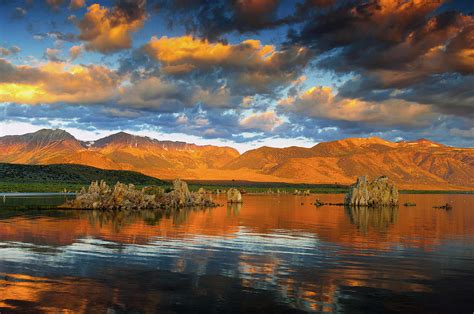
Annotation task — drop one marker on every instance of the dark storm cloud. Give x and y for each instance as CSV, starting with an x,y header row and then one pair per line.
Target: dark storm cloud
x,y
213,18
410,50
448,93
391,35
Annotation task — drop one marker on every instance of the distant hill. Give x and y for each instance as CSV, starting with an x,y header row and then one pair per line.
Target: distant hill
x,y
419,164
70,174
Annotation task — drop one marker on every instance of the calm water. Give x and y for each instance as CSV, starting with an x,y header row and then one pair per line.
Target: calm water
x,y
272,254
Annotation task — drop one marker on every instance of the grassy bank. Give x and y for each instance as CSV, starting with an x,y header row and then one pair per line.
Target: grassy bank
x,y
322,189
57,178
436,192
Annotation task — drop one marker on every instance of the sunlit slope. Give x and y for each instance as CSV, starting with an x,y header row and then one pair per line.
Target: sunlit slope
x,y
420,164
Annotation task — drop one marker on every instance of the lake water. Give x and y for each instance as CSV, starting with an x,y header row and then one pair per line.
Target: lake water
x,y
272,254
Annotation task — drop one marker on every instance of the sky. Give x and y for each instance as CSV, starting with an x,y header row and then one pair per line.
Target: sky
x,y
244,73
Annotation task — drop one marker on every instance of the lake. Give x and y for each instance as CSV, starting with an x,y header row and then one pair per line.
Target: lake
x,y
271,254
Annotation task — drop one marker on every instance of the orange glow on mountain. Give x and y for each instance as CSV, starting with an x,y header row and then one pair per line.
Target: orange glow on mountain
x,y
420,164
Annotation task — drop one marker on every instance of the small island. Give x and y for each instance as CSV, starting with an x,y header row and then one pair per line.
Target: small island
x,y
121,196
378,192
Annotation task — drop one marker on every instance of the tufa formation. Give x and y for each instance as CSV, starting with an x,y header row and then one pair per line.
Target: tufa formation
x,y
121,196
379,192
234,196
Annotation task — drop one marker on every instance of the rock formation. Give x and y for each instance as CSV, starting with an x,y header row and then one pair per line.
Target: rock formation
x,y
181,192
379,192
234,196
121,196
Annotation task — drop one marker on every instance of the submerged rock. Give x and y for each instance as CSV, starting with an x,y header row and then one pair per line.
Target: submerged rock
x,y
318,203
446,206
234,196
121,196
379,192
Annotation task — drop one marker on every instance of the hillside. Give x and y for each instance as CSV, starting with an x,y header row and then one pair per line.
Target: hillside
x,y
70,174
420,164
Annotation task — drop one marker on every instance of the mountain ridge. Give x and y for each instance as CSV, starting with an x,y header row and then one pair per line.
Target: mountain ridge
x,y
412,164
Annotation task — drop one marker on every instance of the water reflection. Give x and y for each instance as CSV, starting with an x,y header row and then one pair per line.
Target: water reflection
x,y
234,208
271,253
379,218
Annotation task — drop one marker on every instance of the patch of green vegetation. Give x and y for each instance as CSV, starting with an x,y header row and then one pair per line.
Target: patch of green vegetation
x,y
264,187
57,178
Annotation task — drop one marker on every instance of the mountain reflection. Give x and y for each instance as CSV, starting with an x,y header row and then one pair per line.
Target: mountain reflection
x,y
378,219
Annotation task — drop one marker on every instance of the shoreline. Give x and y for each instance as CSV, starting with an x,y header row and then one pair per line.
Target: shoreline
x,y
59,188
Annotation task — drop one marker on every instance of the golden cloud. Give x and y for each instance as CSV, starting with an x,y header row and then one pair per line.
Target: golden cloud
x,y
189,53
322,102
56,82
248,65
75,52
106,30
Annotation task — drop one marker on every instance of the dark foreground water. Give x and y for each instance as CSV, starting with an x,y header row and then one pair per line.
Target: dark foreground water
x,y
273,254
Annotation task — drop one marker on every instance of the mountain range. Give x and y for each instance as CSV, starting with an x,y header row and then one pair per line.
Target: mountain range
x,y
420,164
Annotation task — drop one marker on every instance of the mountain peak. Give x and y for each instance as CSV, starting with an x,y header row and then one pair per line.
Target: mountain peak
x,y
122,138
45,136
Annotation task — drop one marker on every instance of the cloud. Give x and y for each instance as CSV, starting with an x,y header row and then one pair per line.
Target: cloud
x,y
75,52
448,93
55,35
403,51
159,94
77,4
322,102
54,4
247,67
398,41
52,55
264,121
154,93
5,52
19,13
212,19
56,82
109,30
469,133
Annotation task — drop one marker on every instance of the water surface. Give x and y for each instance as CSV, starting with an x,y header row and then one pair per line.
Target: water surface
x,y
271,254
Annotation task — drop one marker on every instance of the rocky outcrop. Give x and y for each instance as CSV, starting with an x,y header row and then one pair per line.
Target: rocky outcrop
x,y
181,192
379,192
121,196
234,196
